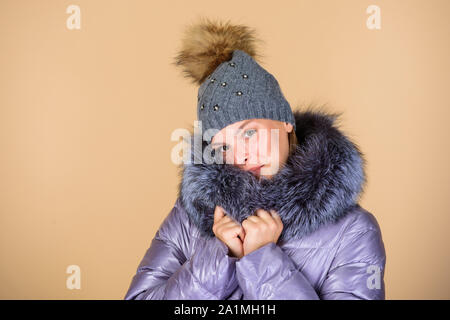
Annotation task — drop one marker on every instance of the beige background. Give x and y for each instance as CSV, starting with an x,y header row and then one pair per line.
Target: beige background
x,y
86,115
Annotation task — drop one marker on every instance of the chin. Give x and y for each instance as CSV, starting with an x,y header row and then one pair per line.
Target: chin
x,y
270,171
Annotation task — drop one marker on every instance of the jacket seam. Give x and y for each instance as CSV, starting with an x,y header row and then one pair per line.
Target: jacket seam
x,y
359,233
201,284
348,263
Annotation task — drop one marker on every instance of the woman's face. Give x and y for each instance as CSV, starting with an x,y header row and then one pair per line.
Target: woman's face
x,y
260,146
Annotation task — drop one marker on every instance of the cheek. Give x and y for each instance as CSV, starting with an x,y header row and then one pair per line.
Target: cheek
x,y
265,148
251,147
274,152
254,147
229,157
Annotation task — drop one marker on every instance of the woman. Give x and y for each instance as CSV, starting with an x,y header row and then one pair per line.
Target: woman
x,y
276,214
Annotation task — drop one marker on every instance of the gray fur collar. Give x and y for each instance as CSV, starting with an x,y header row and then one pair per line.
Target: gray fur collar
x,y
321,180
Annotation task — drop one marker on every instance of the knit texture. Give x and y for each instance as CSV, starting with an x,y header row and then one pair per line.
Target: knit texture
x,y
240,89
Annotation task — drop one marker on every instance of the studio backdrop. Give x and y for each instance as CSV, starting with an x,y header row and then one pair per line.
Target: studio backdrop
x,y
90,98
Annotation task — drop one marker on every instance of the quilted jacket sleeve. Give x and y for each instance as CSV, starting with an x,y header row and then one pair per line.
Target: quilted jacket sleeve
x,y
356,273
168,271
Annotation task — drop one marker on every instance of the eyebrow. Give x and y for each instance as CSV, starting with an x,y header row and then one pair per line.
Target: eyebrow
x,y
240,127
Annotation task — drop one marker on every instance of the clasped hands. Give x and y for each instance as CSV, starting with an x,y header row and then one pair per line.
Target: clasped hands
x,y
254,232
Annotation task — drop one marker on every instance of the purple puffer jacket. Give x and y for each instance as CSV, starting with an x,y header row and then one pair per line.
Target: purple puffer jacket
x,y
330,247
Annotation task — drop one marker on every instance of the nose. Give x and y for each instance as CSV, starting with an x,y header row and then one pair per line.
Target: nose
x,y
241,154
240,158
246,157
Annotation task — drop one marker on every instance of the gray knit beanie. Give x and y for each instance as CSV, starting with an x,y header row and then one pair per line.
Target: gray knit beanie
x,y
233,86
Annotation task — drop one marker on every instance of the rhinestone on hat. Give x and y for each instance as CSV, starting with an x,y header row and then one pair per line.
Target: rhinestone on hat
x,y
245,76
202,106
216,107
239,93
223,84
213,80
232,64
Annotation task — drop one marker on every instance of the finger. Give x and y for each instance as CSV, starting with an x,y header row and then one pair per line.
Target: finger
x,y
231,231
277,218
218,214
227,225
264,215
242,234
275,215
226,221
249,222
254,219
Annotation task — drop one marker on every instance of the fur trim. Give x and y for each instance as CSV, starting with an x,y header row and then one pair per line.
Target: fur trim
x,y
207,44
321,180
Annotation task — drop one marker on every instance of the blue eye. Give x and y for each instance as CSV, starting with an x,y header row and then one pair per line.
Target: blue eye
x,y
252,132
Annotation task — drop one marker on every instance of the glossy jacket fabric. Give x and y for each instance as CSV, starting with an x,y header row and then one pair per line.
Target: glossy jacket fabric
x,y
330,247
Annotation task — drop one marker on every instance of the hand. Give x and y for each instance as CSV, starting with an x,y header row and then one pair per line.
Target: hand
x,y
229,231
261,229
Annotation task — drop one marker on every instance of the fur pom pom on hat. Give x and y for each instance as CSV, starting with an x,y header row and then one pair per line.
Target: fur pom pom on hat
x,y
207,44
222,57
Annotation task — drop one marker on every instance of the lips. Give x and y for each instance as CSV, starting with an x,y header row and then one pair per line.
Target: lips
x,y
256,169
